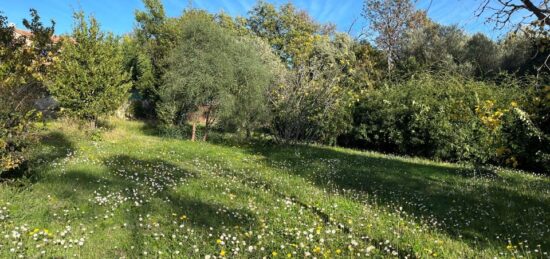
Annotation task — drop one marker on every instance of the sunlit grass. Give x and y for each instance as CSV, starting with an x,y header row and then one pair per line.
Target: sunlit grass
x,y
134,194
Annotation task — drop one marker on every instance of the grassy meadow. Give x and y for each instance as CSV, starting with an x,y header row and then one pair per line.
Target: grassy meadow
x,y
129,193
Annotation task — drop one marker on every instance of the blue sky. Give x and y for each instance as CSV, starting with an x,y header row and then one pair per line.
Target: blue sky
x,y
118,15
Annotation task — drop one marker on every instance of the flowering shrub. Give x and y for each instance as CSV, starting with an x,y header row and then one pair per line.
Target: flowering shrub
x,y
22,70
450,118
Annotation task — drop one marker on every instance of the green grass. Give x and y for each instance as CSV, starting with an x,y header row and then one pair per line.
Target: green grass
x,y
134,194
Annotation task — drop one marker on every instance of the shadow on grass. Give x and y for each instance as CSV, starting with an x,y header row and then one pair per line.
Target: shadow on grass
x,y
53,146
485,212
137,187
59,146
215,136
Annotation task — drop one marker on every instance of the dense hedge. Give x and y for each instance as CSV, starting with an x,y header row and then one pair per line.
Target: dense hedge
x,y
451,118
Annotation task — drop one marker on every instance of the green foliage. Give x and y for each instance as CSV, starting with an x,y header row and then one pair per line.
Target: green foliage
x,y
433,47
155,36
455,119
235,25
312,104
22,70
89,79
291,32
200,70
138,64
249,109
445,117
214,74
17,133
325,73
483,54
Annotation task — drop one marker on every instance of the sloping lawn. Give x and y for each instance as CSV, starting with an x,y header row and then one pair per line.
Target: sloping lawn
x,y
133,194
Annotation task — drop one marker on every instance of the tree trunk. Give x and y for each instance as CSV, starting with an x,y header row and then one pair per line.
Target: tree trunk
x,y
206,126
248,133
194,131
205,137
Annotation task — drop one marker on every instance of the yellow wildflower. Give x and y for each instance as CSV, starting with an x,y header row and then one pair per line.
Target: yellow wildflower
x,y
317,250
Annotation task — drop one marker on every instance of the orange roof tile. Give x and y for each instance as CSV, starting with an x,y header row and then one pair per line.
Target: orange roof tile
x,y
54,38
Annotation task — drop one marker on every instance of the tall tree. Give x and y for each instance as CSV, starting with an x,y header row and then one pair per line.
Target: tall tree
x,y
290,31
200,72
433,47
249,110
388,21
216,73
156,34
484,54
89,79
138,64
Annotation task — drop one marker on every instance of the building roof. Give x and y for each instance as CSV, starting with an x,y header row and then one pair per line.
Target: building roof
x,y
28,34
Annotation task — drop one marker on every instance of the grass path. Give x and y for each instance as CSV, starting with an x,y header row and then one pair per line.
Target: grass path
x,y
134,194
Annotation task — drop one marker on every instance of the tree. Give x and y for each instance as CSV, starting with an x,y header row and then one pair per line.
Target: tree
x,y
138,64
484,54
536,23
520,54
22,70
255,70
226,75
504,11
89,79
290,31
433,47
235,25
368,66
199,74
389,20
156,35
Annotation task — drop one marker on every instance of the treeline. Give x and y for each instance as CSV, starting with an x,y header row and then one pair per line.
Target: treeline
x,y
410,86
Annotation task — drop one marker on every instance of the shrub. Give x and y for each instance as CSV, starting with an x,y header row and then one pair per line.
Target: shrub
x,y
22,69
89,78
312,104
449,118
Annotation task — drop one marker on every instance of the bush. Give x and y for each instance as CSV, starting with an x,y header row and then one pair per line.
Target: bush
x,y
17,132
449,118
313,102
22,69
89,79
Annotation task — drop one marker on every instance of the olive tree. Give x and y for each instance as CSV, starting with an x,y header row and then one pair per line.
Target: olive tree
x,y
213,72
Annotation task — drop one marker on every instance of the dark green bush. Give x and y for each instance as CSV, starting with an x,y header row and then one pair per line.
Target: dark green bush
x,y
449,118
